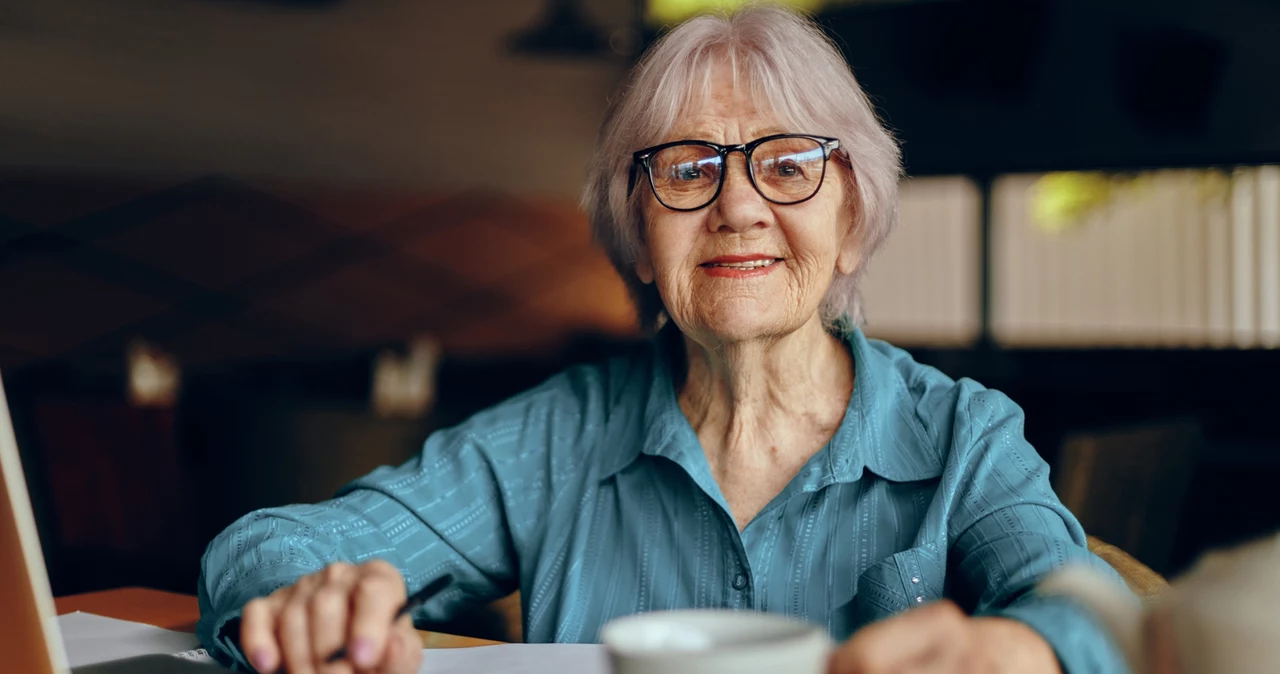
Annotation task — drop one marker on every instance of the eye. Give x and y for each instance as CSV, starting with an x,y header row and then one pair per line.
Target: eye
x,y
783,167
687,171
697,171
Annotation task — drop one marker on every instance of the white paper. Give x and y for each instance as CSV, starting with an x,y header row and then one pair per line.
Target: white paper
x,y
91,639
517,659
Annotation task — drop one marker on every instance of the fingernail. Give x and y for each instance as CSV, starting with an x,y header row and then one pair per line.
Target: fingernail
x,y
259,659
362,652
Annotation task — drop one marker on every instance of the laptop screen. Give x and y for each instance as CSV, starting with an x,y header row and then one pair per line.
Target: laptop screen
x,y
29,638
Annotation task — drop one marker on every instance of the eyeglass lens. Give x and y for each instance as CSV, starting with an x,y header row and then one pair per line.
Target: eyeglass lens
x,y
784,170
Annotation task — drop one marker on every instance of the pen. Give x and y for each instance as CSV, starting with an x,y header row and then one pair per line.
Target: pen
x,y
411,604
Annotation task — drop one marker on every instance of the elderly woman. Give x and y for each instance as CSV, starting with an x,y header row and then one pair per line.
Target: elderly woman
x,y
759,453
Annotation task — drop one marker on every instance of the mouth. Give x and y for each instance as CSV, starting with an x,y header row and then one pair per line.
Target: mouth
x,y
741,263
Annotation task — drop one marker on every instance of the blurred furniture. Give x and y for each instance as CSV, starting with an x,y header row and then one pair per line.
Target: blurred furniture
x,y
121,496
180,612
1144,582
1127,486
283,447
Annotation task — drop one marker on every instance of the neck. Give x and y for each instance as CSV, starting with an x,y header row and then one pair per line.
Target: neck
x,y
749,396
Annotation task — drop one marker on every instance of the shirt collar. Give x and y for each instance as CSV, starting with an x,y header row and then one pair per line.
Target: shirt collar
x,y
661,419
881,431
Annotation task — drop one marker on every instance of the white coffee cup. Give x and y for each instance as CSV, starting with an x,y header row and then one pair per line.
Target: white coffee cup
x,y
707,641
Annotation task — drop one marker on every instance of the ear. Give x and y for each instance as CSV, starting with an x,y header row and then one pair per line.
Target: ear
x,y
644,268
850,256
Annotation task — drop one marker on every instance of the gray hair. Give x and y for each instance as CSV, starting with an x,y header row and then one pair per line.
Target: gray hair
x,y
791,67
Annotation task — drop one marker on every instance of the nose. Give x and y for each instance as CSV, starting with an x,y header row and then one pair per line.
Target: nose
x,y
739,206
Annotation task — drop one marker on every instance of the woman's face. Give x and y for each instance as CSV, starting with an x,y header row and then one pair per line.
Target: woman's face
x,y
697,258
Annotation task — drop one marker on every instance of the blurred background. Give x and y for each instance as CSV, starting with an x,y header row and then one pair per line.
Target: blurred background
x,y
251,249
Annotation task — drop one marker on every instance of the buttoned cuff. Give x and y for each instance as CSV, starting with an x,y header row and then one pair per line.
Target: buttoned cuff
x,y
220,636
219,632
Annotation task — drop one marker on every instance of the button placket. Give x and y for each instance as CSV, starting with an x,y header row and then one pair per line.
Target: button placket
x,y
911,576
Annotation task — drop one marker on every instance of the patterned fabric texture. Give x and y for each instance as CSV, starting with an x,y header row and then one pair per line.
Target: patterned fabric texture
x,y
591,495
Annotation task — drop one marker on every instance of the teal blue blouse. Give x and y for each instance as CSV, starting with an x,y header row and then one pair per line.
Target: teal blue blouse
x,y
591,495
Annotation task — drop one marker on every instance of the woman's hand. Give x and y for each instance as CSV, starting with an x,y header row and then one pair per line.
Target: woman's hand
x,y
297,628
940,639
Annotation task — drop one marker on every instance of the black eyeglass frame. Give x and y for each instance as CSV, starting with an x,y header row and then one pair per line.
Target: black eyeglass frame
x,y
641,158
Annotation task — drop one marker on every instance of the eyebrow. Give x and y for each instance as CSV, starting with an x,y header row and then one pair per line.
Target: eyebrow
x,y
702,135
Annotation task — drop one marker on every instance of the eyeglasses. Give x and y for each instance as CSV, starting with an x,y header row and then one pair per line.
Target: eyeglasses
x,y
688,174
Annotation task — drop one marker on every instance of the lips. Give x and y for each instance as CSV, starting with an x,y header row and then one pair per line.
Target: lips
x,y
756,264
740,266
742,262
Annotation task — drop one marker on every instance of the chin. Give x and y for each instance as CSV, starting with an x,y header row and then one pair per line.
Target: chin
x,y
743,325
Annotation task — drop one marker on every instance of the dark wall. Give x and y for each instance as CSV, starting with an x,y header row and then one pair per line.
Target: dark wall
x,y
975,86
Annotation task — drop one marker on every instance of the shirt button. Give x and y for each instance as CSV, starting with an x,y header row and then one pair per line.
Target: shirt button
x,y
739,582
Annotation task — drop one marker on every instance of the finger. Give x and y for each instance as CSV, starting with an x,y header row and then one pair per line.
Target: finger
x,y
328,607
375,599
864,659
258,634
403,654
327,622
380,567
1161,644
339,666
906,640
294,637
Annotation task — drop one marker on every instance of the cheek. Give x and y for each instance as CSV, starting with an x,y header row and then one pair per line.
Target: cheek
x,y
671,244
816,240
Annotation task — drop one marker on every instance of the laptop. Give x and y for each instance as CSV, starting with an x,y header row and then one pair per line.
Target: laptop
x,y
29,637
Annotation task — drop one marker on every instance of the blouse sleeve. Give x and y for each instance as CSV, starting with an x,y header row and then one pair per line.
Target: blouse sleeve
x,y
1008,530
463,507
